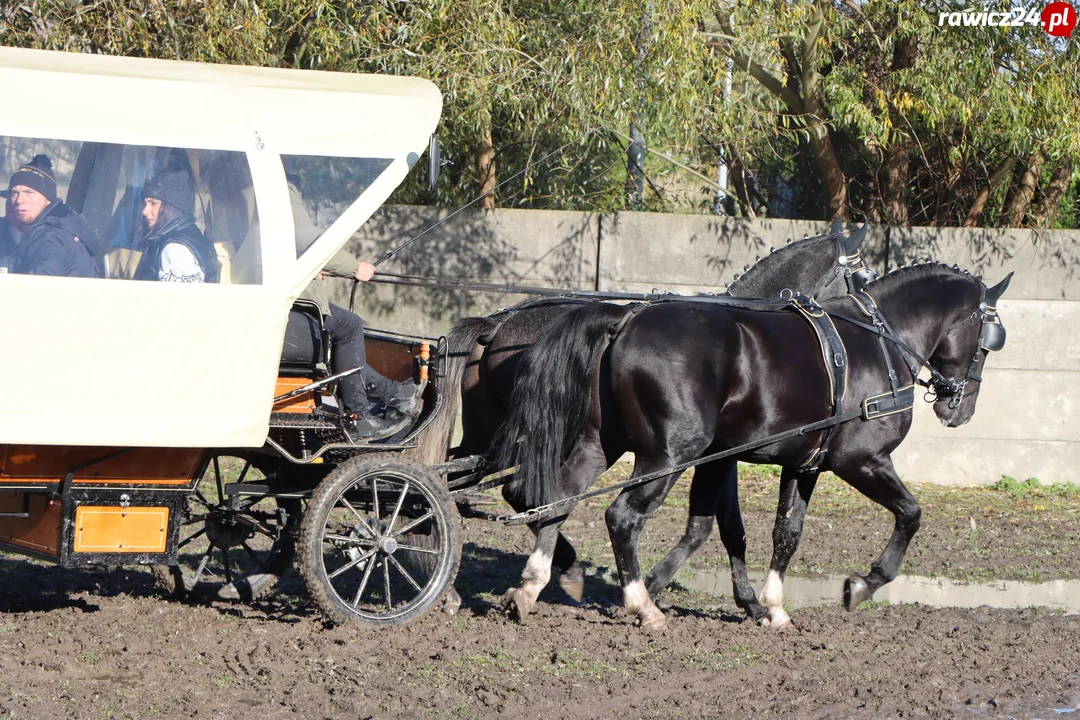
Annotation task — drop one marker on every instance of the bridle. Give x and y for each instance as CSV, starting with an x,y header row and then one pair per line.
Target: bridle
x,y
991,338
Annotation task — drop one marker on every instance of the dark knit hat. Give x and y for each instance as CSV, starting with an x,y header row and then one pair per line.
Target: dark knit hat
x,y
36,175
173,185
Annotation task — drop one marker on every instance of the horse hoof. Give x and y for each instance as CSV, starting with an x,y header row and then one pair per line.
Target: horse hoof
x,y
572,583
776,620
856,591
654,622
451,602
516,605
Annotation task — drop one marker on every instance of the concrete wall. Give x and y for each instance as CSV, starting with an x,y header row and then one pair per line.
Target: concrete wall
x,y
1025,424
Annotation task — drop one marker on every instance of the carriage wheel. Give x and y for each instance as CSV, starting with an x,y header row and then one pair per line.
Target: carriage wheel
x,y
378,541
231,553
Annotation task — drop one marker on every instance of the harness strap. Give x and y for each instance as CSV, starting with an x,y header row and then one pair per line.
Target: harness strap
x,y
884,332
835,356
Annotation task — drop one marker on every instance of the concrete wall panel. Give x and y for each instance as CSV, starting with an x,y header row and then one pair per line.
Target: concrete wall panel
x,y
1026,419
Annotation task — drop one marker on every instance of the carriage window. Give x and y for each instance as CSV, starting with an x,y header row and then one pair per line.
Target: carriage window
x,y
200,223
321,188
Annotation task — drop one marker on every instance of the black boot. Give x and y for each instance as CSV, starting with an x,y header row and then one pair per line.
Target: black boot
x,y
368,427
407,401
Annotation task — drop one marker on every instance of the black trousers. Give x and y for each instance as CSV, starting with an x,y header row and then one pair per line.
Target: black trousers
x,y
347,341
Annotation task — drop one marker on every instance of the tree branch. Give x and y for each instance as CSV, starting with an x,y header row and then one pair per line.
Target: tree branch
x,y
758,72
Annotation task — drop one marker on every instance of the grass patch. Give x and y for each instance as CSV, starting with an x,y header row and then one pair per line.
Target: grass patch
x,y
1033,488
729,658
572,663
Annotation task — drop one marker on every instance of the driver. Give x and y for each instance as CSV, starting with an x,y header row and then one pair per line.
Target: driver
x,y
49,237
401,401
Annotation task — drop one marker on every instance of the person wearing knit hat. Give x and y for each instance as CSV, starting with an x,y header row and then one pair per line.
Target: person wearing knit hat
x,y
49,237
30,190
175,248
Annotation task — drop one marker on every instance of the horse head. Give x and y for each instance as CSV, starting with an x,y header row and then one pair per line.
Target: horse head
x,y
961,355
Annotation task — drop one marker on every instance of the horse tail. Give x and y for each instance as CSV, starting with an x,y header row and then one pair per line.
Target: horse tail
x,y
433,442
551,398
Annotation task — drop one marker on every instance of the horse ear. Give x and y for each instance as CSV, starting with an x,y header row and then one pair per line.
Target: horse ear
x,y
994,294
837,227
852,243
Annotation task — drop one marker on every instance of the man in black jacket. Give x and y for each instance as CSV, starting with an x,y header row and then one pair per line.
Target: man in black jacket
x,y
50,237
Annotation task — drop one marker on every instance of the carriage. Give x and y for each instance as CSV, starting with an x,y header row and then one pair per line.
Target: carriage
x,y
185,426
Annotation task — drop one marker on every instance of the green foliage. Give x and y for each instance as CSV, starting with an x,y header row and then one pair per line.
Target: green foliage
x,y
539,74
1033,488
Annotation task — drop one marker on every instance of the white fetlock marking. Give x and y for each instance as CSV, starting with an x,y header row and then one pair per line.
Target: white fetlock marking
x,y
536,575
637,602
772,594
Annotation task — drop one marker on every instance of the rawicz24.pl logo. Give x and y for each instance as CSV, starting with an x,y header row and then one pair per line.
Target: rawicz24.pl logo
x,y
1057,18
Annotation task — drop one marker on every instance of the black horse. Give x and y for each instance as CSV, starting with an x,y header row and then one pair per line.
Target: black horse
x,y
484,354
676,381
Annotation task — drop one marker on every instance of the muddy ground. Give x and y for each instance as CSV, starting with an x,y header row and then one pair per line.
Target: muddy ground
x,y
108,645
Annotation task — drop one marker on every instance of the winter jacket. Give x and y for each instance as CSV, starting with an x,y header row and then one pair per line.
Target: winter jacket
x,y
182,231
60,242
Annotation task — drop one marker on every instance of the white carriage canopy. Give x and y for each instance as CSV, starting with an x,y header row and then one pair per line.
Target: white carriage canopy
x,y
117,361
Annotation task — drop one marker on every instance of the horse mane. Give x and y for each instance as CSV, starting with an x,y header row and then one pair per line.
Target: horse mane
x,y
765,264
919,270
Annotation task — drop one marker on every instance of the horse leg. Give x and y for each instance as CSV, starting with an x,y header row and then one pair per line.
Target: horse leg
x,y
625,519
571,575
713,490
733,535
698,526
519,602
878,481
586,463
795,491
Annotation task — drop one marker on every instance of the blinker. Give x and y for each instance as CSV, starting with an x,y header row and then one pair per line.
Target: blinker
x,y
992,335
863,277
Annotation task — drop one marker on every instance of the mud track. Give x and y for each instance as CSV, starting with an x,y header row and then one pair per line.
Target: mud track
x,y
108,645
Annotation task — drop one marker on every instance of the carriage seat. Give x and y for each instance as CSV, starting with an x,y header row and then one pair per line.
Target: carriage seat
x,y
304,349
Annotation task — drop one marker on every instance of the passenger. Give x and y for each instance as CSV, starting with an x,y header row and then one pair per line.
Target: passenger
x,y
174,248
49,237
401,401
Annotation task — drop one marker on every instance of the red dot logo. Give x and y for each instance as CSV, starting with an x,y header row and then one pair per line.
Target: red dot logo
x,y
1059,19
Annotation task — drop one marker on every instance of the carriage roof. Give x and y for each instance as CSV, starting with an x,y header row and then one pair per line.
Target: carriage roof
x,y
124,100
155,364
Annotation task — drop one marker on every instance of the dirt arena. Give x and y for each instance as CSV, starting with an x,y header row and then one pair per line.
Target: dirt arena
x,y
109,645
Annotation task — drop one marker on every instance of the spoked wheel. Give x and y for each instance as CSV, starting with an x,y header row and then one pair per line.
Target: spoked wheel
x,y
231,551
378,541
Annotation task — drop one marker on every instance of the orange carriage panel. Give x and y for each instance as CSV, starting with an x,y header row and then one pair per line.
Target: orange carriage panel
x,y
142,466
391,358
40,531
120,529
303,403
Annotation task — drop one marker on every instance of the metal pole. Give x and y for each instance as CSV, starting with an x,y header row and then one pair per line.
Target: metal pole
x,y
635,153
